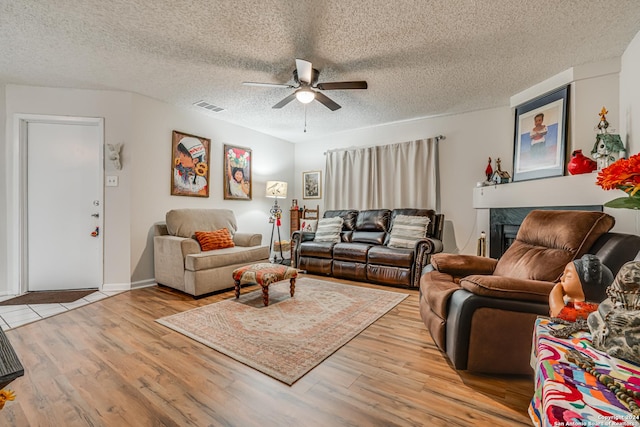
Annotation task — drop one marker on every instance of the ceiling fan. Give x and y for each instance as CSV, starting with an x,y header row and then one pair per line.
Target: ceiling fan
x,y
306,79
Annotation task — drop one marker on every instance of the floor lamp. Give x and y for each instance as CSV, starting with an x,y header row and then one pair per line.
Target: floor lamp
x,y
276,190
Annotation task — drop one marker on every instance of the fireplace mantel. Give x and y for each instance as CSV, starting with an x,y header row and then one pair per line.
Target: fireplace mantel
x,y
571,190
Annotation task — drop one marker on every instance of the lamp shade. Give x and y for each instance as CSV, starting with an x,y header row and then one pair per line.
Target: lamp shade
x,y
276,189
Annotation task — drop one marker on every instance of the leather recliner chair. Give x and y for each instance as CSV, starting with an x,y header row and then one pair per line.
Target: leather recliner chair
x,y
481,311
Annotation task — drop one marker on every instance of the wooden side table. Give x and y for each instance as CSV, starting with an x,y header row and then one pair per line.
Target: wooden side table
x,y
295,220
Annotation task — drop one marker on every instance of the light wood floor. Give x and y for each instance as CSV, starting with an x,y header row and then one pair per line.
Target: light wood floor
x,y
110,364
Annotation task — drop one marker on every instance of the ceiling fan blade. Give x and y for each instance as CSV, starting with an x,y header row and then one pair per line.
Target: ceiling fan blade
x,y
327,102
268,85
285,101
342,85
305,70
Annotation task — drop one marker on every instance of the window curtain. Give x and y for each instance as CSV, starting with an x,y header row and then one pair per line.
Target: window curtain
x,y
403,175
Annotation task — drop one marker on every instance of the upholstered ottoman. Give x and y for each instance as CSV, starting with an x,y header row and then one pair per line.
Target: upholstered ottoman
x,y
264,274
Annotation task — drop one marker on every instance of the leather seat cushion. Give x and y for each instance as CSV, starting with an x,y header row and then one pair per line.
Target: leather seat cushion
x,y
316,249
383,255
354,252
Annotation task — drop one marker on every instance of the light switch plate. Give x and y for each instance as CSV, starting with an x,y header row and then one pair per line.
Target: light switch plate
x,y
112,181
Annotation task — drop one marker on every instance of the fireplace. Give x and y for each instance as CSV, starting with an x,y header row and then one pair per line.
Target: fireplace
x,y
505,222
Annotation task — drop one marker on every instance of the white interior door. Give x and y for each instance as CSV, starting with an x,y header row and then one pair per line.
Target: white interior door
x,y
64,205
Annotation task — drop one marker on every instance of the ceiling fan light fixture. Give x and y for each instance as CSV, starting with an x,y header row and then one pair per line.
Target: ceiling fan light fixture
x,y
305,95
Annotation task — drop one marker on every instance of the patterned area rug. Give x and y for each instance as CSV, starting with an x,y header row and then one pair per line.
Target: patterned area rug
x,y
290,336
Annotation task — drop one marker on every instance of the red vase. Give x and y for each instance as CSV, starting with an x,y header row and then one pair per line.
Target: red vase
x,y
580,164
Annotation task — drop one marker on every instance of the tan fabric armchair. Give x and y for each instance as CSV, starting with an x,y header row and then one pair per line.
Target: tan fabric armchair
x,y
481,311
180,263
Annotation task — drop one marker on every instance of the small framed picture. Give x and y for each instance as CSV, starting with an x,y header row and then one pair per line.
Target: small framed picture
x,y
312,185
189,165
237,173
540,137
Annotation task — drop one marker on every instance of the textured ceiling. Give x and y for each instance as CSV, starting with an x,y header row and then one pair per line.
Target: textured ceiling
x,y
420,58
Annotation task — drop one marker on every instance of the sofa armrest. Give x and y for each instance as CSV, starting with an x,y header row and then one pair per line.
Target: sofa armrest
x,y
169,253
296,238
175,246
247,239
508,288
423,250
463,265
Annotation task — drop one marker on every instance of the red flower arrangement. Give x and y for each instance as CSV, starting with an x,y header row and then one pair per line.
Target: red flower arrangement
x,y
624,174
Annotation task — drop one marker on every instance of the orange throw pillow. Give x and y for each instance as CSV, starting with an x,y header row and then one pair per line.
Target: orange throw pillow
x,y
210,240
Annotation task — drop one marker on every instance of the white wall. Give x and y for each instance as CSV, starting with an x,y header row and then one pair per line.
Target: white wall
x,y
142,197
150,151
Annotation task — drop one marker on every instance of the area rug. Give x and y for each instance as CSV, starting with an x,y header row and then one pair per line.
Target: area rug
x,y
48,297
290,336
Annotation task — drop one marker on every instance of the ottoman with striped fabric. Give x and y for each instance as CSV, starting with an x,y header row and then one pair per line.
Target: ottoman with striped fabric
x,y
264,274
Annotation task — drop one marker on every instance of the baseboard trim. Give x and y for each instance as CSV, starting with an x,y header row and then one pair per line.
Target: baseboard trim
x,y
143,283
115,287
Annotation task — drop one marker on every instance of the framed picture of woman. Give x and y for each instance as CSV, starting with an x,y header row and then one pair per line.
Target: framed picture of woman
x,y
237,173
189,165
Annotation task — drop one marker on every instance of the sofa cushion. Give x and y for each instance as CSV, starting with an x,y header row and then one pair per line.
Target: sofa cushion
x,y
316,249
308,225
407,230
373,220
541,254
211,240
382,255
348,217
356,252
185,222
329,230
224,257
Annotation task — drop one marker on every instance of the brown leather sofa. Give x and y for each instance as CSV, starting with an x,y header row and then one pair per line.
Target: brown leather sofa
x,y
481,311
362,253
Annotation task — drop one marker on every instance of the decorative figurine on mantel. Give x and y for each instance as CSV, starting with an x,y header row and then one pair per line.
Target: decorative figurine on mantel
x,y
607,144
500,176
489,171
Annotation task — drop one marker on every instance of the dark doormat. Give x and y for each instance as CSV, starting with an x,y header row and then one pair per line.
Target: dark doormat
x,y
48,297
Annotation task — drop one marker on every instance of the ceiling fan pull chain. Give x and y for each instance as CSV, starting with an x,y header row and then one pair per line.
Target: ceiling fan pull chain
x,y
305,118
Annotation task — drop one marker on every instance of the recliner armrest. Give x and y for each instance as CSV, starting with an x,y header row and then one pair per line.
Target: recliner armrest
x,y
463,265
247,239
429,245
508,288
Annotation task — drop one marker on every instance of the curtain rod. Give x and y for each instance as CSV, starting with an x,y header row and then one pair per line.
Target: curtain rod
x,y
438,138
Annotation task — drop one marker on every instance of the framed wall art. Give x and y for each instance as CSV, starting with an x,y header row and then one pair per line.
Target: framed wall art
x,y
540,136
312,185
189,165
237,173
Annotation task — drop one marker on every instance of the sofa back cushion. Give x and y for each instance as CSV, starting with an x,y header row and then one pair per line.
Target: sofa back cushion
x,y
185,222
371,226
429,213
349,217
548,240
406,230
329,230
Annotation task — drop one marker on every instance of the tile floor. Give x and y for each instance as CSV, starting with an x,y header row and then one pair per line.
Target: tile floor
x,y
12,316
